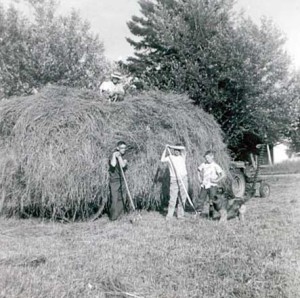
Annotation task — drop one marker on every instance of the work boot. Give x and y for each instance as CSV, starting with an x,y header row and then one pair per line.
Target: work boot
x,y
223,217
242,212
169,218
211,211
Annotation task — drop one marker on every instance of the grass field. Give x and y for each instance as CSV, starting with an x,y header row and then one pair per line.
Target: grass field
x,y
151,258
286,167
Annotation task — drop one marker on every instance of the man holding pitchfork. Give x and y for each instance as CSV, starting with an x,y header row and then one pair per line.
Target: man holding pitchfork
x,y
117,184
178,178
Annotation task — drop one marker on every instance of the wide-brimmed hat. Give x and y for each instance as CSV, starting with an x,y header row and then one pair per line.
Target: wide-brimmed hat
x,y
116,75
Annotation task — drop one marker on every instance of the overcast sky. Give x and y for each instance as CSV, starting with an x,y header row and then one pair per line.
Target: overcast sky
x,y
108,18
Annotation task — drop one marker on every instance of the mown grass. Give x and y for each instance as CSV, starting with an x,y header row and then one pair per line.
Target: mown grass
x,y
286,167
152,258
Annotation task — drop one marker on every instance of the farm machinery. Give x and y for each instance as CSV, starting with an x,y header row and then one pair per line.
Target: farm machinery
x,y
246,178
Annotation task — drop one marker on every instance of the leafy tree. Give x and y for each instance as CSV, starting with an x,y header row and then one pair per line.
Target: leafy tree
x,y
293,134
233,68
49,49
13,49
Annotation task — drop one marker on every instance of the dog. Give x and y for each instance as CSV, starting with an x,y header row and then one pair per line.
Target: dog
x,y
225,206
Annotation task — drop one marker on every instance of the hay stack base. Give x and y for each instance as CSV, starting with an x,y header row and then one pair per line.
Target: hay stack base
x,y
55,147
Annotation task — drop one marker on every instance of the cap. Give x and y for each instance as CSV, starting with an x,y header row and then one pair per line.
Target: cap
x,y
116,75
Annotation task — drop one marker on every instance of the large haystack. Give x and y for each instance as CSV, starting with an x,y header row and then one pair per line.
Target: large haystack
x,y
55,146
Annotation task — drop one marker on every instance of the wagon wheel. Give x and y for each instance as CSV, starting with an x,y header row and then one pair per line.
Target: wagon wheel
x,y
238,183
264,190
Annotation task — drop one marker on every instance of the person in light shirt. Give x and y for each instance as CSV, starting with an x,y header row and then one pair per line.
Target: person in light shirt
x,y
113,89
209,175
178,179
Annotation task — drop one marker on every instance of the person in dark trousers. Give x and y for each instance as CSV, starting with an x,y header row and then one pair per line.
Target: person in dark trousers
x,y
209,175
116,181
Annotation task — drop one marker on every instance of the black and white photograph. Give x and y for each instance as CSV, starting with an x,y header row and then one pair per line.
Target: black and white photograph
x,y
149,149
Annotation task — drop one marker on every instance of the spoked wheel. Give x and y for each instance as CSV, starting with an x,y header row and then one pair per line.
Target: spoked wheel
x,y
264,190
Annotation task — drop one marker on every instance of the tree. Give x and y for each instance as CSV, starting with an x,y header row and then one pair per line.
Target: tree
x,y
231,67
13,50
49,49
293,133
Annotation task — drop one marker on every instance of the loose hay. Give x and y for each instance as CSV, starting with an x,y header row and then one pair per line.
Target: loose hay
x,y
55,148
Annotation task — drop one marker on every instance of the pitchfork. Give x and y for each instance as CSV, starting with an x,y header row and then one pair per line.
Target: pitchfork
x,y
180,179
129,194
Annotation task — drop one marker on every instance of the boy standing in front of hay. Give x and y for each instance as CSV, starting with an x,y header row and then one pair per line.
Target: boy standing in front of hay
x,y
209,175
116,181
178,179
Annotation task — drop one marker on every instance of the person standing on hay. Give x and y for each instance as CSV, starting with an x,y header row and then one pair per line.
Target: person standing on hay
x,y
209,175
116,181
178,179
113,89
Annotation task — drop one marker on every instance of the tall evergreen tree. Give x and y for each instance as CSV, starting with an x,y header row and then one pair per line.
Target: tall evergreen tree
x,y
231,67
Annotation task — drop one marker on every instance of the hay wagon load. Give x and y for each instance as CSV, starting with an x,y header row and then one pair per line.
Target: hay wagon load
x,y
55,147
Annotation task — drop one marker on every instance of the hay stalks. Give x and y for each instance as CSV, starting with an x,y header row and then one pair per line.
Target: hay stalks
x,y
55,147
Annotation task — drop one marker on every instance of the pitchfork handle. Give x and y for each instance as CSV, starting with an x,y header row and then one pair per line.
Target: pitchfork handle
x,y
127,188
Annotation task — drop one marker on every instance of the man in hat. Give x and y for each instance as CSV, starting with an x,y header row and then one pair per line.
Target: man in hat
x,y
116,181
113,89
175,157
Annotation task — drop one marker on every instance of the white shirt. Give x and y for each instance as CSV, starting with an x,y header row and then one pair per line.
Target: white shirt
x,y
209,171
111,88
177,162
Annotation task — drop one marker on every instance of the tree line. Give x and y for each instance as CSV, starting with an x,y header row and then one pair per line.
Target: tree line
x,y
47,48
230,66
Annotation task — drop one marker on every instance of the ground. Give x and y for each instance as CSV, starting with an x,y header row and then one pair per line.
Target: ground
x,y
154,258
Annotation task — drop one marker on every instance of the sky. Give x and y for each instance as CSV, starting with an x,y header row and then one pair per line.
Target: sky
x,y
286,16
108,19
